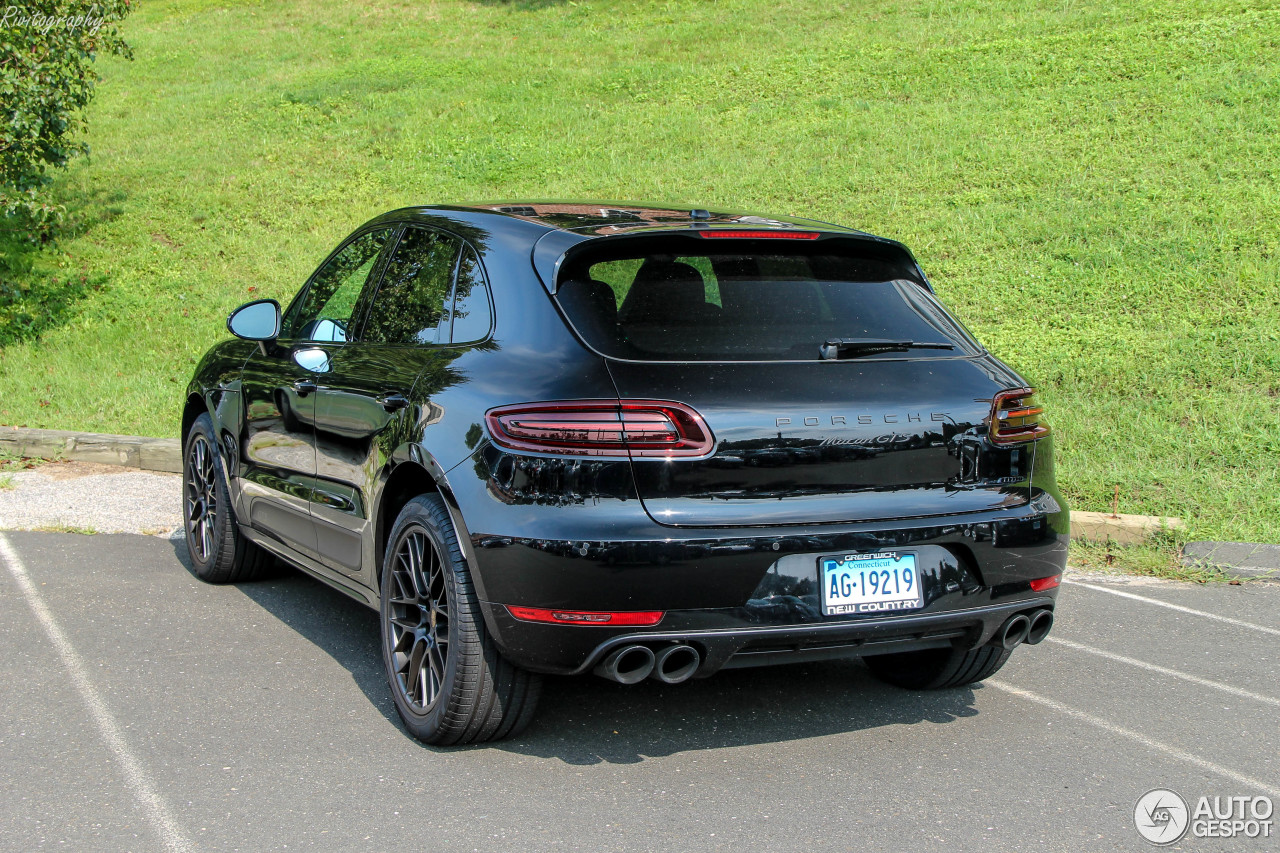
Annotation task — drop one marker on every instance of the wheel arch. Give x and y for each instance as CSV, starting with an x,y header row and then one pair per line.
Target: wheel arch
x,y
413,476
194,407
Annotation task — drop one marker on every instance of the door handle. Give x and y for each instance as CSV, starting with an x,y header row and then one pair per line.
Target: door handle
x,y
393,402
305,387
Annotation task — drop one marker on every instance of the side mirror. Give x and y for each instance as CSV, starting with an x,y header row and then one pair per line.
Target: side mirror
x,y
256,321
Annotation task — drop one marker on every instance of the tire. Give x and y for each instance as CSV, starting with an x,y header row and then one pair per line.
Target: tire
x,y
219,552
449,682
938,669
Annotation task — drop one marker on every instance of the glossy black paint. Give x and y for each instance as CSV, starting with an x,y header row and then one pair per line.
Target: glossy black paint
x,y
325,441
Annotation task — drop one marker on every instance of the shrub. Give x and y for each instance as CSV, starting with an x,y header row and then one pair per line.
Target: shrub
x,y
47,50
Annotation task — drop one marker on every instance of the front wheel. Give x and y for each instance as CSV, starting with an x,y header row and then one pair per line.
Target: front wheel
x,y
450,683
938,669
219,552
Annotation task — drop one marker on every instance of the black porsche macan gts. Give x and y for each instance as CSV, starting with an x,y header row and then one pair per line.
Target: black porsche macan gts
x,y
546,437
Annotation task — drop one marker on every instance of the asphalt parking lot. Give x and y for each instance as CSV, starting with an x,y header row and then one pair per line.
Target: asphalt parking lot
x,y
144,710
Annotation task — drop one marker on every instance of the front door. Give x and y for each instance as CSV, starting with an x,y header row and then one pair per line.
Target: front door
x,y
278,472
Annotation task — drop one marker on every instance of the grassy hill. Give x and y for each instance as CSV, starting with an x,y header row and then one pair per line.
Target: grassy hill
x,y
1093,187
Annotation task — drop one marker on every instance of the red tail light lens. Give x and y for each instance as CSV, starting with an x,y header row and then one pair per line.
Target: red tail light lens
x,y
1016,417
641,428
1041,584
742,234
586,617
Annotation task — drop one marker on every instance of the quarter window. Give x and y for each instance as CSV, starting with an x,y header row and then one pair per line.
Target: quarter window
x,y
410,305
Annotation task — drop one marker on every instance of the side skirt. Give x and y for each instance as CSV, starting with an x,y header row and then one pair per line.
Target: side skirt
x,y
327,576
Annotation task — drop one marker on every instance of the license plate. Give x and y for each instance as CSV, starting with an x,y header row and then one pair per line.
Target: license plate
x,y
869,583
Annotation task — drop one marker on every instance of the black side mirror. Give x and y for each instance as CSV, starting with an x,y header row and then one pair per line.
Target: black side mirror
x,y
256,321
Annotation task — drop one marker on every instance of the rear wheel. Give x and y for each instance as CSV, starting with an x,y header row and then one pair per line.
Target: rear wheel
x,y
449,682
219,552
938,669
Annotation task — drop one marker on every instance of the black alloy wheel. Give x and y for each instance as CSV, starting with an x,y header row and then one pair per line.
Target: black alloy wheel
x,y
450,683
419,620
220,553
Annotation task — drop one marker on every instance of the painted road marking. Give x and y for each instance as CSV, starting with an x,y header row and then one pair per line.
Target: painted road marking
x,y
1171,751
1162,670
140,783
1239,623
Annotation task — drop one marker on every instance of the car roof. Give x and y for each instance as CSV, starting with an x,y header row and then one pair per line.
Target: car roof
x,y
553,228
604,218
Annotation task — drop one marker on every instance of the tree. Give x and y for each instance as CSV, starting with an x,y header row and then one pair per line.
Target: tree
x,y
47,78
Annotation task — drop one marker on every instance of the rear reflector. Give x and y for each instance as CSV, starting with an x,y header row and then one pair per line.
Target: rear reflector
x,y
641,428
1041,584
587,617
1016,417
740,234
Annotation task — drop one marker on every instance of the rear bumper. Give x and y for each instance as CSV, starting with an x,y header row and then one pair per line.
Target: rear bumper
x,y
747,596
572,650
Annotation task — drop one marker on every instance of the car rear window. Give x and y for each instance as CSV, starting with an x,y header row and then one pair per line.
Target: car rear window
x,y
681,299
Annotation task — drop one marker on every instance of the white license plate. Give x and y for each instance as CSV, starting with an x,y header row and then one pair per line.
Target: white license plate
x,y
869,583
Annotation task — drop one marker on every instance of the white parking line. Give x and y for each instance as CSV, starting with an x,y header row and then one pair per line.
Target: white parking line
x,y
139,782
1172,673
1239,623
1173,752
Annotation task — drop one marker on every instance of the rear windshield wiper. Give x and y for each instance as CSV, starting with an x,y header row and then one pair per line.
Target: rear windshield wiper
x,y
853,347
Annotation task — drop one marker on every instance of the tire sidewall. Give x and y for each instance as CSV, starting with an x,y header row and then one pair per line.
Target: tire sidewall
x,y
415,516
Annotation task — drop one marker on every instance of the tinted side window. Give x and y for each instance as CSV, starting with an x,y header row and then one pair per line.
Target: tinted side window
x,y
325,311
471,312
410,305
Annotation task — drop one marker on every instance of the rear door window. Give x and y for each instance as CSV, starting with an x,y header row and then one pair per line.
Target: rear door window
x,y
410,306
657,300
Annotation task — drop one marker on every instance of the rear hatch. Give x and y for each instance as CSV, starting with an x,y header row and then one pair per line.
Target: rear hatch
x,y
834,384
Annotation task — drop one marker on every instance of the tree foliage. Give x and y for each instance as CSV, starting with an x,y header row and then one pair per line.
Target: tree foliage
x,y
47,78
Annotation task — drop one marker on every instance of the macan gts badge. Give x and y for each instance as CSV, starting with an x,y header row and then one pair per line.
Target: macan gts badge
x,y
639,441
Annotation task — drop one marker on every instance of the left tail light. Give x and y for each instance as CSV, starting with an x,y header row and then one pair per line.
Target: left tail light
x,y
1016,417
640,428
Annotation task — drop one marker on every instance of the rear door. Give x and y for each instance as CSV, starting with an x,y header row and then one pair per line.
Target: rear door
x,y
368,404
735,329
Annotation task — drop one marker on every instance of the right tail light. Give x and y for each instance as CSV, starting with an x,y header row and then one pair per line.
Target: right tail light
x,y
1017,417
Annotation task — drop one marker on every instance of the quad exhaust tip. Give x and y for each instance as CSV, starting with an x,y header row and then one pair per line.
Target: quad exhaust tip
x,y
675,664
1029,628
1014,631
1041,622
632,664
627,665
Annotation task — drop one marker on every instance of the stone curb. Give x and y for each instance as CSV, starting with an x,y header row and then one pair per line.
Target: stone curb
x,y
1121,529
131,451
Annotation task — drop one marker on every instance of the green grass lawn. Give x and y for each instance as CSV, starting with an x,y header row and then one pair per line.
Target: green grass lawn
x,y
1094,187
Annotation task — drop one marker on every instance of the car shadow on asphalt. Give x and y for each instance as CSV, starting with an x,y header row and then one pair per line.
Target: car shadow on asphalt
x,y
587,720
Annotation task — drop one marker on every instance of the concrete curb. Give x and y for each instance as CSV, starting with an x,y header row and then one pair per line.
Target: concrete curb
x,y
131,451
1121,529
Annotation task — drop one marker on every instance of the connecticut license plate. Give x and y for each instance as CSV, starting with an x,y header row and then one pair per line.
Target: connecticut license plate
x,y
869,583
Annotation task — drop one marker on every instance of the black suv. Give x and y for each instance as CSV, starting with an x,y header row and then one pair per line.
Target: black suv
x,y
547,437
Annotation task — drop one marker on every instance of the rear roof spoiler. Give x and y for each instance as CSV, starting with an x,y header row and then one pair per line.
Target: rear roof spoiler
x,y
552,248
